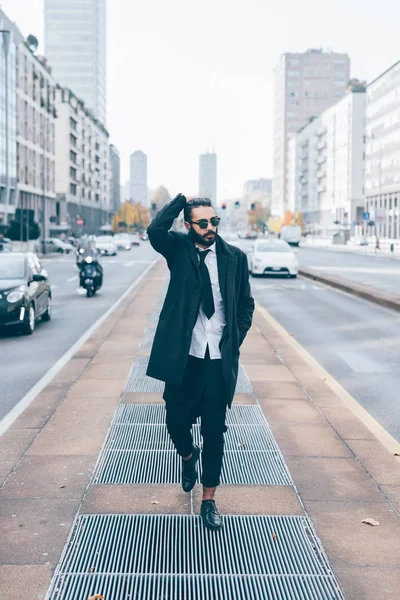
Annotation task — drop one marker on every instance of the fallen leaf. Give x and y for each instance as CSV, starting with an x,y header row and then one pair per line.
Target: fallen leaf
x,y
242,445
396,453
62,486
274,536
324,378
291,334
91,569
155,502
96,597
370,521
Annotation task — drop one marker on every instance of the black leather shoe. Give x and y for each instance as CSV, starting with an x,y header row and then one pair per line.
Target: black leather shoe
x,y
189,470
210,515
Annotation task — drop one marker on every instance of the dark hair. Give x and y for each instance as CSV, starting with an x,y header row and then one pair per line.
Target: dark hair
x,y
194,203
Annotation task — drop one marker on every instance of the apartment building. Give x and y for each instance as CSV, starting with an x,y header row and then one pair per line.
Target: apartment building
x,y
36,141
306,84
330,163
382,152
83,170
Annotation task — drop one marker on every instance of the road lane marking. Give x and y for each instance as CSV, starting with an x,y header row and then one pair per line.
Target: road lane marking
x,y
53,287
137,262
74,278
18,409
390,443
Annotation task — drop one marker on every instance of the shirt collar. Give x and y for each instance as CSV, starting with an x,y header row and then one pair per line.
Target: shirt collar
x,y
212,248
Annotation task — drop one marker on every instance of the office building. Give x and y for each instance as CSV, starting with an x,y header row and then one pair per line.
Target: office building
x,y
75,45
10,38
208,176
115,179
306,84
382,153
138,178
330,164
83,173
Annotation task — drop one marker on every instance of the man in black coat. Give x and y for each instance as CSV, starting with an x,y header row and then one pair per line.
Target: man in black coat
x,y
206,315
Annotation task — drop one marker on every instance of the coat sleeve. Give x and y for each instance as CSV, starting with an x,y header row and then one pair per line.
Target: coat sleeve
x,y
161,238
245,307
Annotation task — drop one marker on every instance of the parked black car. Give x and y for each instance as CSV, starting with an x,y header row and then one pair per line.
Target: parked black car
x,y
25,291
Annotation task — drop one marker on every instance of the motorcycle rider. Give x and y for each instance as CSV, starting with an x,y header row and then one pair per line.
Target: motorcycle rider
x,y
84,251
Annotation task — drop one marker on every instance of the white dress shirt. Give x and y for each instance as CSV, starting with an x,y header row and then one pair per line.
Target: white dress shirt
x,y
209,331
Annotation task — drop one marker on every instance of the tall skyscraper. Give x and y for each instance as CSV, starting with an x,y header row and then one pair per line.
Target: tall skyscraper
x,y
138,178
305,85
208,176
75,46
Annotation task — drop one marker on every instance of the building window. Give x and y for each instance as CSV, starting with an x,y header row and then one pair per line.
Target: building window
x,y
72,173
72,188
72,156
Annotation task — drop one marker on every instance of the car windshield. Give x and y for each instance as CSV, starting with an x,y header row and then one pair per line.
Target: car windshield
x,y
104,240
12,267
273,247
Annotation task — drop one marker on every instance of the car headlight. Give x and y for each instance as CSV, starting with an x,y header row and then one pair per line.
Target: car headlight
x,y
15,296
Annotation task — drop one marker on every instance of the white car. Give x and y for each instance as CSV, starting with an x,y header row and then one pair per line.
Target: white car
x,y
58,245
123,241
272,257
106,245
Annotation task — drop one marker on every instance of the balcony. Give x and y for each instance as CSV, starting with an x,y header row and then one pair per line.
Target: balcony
x,y
321,144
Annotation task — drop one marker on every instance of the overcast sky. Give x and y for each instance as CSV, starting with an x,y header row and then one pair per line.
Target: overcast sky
x,y
185,76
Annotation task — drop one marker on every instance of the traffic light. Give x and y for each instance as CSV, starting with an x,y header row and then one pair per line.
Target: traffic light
x,y
253,206
224,206
154,206
237,204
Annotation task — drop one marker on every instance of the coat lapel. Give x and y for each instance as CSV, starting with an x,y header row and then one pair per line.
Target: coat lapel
x,y
226,262
193,257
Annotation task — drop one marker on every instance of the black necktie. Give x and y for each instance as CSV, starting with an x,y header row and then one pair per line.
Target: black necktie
x,y
207,300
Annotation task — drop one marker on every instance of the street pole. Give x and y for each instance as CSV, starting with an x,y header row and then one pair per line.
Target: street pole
x,y
6,44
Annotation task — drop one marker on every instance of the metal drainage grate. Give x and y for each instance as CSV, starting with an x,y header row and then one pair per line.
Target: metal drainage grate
x,y
138,449
148,337
175,557
139,382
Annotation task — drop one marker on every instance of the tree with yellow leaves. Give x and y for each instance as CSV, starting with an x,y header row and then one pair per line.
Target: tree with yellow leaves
x,y
130,217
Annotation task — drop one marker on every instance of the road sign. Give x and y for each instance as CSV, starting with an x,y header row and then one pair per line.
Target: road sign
x,y
355,223
366,216
80,222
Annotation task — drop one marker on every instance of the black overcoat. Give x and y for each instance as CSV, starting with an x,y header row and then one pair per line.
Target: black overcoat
x,y
178,316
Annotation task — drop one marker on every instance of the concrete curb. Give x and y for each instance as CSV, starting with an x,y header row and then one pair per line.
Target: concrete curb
x,y
356,289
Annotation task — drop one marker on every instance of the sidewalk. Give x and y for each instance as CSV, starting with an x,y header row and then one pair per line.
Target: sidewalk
x,y
91,501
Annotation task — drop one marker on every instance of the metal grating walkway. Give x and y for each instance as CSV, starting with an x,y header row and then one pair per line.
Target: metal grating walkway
x,y
173,557
139,382
138,449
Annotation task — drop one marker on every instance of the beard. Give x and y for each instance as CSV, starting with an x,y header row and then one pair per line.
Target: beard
x,y
201,238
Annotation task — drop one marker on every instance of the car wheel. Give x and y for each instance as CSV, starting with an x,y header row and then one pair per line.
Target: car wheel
x,y
292,276
29,325
47,314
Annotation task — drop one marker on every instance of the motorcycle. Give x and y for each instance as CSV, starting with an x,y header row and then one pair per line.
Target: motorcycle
x,y
90,276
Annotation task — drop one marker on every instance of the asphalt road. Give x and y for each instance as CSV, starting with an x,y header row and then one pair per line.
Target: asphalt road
x,y
357,341
25,359
381,273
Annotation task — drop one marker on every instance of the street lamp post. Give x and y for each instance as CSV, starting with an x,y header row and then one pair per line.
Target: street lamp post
x,y
6,45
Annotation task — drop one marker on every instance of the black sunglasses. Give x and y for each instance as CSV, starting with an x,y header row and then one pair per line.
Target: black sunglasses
x,y
203,223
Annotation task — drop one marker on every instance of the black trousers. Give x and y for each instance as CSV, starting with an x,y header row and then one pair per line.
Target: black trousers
x,y
200,394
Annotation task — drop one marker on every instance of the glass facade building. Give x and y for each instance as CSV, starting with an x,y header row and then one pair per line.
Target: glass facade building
x,y
75,46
